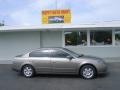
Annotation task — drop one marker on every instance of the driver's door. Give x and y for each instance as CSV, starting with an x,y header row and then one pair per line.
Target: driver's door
x,y
62,64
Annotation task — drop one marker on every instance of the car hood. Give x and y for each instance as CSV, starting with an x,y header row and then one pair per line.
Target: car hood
x,y
91,57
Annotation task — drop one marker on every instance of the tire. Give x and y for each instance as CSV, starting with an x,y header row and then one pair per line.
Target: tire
x,y
28,71
88,72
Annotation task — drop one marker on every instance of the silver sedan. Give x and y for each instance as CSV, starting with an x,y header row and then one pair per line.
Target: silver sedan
x,y
58,61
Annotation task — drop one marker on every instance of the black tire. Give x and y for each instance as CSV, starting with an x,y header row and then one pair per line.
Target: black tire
x,y
88,72
28,71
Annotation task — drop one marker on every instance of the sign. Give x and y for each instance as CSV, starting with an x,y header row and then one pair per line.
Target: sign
x,y
56,16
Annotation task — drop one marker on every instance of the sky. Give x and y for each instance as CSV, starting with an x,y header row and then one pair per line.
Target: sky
x,y
28,12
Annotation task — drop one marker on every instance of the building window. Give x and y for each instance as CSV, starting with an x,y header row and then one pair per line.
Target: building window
x,y
101,37
117,37
75,38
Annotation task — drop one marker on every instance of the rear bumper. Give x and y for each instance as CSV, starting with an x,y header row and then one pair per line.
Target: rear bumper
x,y
15,67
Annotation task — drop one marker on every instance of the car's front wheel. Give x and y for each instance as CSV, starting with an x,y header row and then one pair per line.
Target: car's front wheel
x,y
28,71
88,72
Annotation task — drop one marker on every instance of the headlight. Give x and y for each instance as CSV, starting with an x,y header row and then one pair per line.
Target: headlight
x,y
101,61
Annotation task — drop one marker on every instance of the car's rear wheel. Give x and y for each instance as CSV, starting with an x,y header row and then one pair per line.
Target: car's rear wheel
x,y
88,72
28,71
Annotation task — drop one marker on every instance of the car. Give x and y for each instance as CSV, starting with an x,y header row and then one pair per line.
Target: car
x,y
58,61
56,19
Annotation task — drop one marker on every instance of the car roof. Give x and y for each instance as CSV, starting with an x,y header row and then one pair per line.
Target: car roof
x,y
51,48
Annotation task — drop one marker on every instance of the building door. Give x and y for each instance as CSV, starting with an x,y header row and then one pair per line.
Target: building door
x,y
51,39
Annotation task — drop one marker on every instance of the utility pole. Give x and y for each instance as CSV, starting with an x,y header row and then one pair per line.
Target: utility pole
x,y
56,2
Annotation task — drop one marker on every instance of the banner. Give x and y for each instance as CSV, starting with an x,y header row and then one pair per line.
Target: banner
x,y
56,16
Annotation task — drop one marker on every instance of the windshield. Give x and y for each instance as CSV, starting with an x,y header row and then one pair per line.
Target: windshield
x,y
73,53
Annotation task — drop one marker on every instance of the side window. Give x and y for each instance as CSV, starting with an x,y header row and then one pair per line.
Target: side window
x,y
75,38
40,53
100,37
60,54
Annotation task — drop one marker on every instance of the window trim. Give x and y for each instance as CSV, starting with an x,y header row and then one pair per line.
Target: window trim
x,y
94,31
114,38
63,38
88,39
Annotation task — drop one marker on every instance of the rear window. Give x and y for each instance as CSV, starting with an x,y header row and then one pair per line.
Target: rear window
x,y
41,53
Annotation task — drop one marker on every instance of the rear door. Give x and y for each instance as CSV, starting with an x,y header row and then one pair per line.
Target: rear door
x,y
41,60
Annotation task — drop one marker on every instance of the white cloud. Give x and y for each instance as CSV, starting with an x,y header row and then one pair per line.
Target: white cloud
x,y
21,17
99,10
31,14
41,4
63,4
105,6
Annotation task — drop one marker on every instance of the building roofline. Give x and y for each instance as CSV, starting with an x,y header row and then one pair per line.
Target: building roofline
x,y
57,27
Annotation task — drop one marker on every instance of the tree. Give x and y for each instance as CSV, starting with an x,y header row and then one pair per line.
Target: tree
x,y
2,24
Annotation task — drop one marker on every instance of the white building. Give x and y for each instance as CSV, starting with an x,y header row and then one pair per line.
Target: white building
x,y
101,40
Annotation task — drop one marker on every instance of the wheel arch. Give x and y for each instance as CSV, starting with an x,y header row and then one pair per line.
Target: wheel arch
x,y
88,64
25,65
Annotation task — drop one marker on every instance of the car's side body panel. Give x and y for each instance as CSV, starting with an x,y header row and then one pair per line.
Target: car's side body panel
x,y
59,65
42,65
63,65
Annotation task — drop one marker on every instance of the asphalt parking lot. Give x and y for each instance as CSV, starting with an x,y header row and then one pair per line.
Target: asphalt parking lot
x,y
10,80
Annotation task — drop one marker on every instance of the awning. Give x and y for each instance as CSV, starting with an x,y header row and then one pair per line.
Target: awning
x,y
61,27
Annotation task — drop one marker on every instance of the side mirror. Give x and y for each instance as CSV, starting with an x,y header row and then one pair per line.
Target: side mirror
x,y
70,57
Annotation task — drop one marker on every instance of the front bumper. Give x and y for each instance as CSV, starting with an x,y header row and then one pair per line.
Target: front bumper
x,y
102,69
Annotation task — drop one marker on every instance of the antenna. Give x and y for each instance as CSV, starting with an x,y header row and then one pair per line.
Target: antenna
x,y
69,4
56,3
